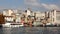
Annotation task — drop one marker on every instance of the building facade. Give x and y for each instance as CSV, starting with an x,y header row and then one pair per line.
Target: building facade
x,y
54,17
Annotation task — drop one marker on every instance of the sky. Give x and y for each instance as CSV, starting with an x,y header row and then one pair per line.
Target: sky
x,y
41,5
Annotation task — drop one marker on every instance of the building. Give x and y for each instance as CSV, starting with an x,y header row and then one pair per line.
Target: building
x,y
7,12
57,17
54,16
18,18
8,15
40,15
28,12
9,19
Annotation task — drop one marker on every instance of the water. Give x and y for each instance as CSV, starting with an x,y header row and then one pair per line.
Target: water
x,y
28,30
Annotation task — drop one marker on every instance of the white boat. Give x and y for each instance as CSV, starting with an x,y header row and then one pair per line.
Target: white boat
x,y
12,25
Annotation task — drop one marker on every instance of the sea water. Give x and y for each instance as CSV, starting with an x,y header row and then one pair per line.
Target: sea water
x,y
30,30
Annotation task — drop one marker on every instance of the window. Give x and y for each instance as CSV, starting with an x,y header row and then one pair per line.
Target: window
x,y
53,19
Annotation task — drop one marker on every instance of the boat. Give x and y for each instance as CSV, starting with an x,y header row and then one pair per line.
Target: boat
x,y
12,25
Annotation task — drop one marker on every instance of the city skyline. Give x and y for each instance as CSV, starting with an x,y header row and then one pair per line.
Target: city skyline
x,y
41,5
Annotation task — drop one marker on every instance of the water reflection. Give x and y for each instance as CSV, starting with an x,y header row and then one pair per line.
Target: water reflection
x,y
28,30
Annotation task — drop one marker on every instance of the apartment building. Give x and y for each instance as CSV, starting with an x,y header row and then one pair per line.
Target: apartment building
x,y
54,16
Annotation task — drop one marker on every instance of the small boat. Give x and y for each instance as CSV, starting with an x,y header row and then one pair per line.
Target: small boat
x,y
12,25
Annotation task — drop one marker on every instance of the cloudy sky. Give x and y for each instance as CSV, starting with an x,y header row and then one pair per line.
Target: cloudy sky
x,y
41,5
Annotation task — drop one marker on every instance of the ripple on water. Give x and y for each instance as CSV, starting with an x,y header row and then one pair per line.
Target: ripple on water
x,y
32,30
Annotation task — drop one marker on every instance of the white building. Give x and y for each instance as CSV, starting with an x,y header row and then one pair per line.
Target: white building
x,y
52,16
28,12
40,15
55,16
10,12
58,17
9,18
7,13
